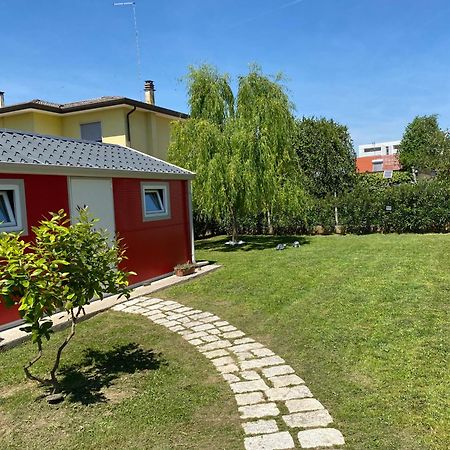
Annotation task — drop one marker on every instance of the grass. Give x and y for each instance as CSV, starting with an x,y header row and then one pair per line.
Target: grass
x,y
130,384
364,320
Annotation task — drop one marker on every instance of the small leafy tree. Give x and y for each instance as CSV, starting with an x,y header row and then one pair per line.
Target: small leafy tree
x,y
65,267
425,146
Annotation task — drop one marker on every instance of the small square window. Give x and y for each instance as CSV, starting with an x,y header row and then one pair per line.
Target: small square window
x,y
91,131
155,201
377,166
12,206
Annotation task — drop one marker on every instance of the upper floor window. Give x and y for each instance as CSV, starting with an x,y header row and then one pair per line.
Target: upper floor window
x,y
155,201
372,149
12,206
91,131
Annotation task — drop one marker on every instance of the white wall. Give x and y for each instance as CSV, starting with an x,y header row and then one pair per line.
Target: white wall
x,y
386,148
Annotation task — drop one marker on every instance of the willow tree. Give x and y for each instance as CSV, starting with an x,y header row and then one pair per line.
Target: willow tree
x,y
238,146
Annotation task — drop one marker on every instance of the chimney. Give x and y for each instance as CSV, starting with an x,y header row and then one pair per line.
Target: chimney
x,y
2,99
149,90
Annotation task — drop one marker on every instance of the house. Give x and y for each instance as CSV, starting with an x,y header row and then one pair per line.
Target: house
x,y
114,120
378,157
145,200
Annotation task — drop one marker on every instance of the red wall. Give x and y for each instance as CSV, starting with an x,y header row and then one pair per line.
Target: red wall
x,y
43,194
154,247
390,162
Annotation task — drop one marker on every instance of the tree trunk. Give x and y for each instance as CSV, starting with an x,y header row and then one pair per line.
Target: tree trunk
x,y
27,367
269,223
53,378
336,216
234,228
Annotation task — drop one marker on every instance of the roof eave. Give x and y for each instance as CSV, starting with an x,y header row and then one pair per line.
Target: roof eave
x,y
87,107
41,169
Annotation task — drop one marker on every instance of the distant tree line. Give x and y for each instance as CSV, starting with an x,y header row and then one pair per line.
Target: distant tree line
x,y
262,170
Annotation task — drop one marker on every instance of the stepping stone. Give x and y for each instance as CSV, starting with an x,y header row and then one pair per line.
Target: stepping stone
x,y
320,437
228,328
222,324
310,419
204,327
215,345
223,361
279,370
177,328
243,356
233,334
249,399
214,331
209,338
287,393
274,441
196,342
245,340
262,352
248,386
216,353
286,380
246,347
119,307
259,410
250,375
229,368
231,378
303,404
260,427
262,362
194,335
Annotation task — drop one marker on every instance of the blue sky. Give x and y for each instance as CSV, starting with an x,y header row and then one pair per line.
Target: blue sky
x,y
372,65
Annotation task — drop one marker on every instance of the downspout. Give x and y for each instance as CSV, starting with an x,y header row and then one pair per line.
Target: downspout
x,y
128,126
191,219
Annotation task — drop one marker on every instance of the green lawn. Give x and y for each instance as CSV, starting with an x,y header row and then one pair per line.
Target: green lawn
x,y
364,320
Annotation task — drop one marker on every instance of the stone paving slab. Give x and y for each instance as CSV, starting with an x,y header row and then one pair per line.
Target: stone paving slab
x,y
264,386
321,437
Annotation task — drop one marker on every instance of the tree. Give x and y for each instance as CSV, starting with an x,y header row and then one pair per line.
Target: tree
x,y
240,147
63,269
326,155
425,146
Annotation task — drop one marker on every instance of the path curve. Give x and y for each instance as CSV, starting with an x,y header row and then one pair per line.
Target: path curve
x,y
277,409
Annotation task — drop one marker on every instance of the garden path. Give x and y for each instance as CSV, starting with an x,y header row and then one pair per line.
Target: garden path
x,y
277,409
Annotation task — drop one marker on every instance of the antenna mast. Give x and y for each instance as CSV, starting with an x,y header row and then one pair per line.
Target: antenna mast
x,y
136,33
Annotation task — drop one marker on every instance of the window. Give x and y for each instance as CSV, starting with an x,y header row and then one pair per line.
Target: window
x,y
155,201
12,206
387,149
372,149
91,131
377,166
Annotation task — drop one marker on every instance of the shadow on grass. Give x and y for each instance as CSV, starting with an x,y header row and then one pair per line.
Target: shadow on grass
x,y
251,243
84,382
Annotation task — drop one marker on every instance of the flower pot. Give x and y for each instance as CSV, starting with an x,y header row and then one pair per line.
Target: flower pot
x,y
184,272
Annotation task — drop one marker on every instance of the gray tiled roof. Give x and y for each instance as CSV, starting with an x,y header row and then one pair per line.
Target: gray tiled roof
x,y
30,148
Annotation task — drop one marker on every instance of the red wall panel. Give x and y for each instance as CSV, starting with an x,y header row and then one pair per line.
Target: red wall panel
x,y
153,247
43,194
390,162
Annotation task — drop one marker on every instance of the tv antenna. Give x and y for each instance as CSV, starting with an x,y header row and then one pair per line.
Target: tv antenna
x,y
136,33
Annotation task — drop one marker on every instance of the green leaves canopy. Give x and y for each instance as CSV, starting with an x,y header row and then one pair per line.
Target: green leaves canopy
x,y
425,146
326,155
240,147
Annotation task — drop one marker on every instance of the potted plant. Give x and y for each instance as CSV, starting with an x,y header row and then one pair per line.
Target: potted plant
x,y
186,268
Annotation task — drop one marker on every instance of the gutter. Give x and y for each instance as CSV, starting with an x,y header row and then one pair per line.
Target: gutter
x,y
128,126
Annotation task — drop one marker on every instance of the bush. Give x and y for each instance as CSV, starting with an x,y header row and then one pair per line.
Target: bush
x,y
414,208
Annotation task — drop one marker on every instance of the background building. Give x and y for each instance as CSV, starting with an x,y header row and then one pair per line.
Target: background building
x,y
377,157
141,125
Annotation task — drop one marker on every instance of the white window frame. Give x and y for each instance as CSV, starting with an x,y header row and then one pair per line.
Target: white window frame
x,y
18,211
377,162
165,200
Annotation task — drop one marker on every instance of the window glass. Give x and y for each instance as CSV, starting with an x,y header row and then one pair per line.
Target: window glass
x,y
8,211
91,131
377,166
154,201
